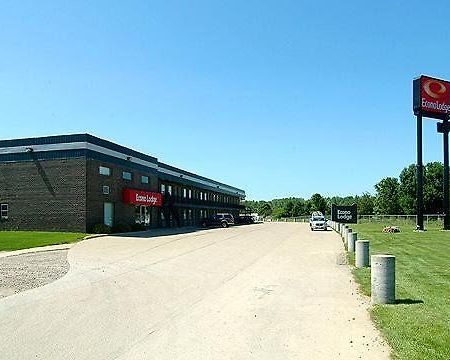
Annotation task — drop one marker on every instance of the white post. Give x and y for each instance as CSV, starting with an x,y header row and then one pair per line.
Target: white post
x,y
352,237
362,253
383,279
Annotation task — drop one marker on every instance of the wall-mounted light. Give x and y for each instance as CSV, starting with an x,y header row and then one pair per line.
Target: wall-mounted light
x,y
129,158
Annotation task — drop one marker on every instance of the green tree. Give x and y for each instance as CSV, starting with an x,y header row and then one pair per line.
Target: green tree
x,y
365,203
433,192
318,203
407,190
387,200
299,208
251,206
265,209
288,209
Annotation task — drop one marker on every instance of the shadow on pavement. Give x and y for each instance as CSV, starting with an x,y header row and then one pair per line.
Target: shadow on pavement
x,y
160,232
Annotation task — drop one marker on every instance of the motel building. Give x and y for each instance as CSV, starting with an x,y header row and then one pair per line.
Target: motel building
x,y
75,182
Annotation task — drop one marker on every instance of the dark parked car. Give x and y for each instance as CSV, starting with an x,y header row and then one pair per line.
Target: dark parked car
x,y
244,219
223,220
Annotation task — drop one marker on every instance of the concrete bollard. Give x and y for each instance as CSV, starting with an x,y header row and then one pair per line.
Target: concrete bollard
x,y
351,241
362,253
349,233
382,275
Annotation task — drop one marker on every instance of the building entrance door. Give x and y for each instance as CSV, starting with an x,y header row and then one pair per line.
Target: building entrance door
x,y
108,213
145,215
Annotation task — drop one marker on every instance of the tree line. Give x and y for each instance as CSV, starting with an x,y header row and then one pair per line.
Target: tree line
x,y
393,195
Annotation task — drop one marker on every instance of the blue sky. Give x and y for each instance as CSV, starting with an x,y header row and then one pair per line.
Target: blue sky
x,y
280,98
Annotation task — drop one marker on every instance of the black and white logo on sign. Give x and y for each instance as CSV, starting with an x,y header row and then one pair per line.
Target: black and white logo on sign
x,y
344,214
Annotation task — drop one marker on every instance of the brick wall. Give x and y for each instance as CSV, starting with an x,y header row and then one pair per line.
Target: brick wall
x,y
44,195
123,213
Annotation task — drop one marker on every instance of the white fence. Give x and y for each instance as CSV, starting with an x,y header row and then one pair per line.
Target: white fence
x,y
385,219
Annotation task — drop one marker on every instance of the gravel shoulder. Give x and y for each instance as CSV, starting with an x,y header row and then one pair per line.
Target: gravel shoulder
x,y
30,270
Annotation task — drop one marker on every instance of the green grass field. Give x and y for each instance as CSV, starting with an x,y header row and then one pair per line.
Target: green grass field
x,y
15,240
418,326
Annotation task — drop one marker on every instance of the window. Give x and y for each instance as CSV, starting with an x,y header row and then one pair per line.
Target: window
x,y
169,189
103,170
184,193
190,194
144,179
163,189
105,189
126,175
4,211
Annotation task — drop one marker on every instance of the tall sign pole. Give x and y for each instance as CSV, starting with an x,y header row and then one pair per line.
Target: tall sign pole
x,y
431,98
444,128
446,185
419,174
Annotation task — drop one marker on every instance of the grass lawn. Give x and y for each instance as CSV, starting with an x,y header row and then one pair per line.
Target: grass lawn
x,y
418,326
15,240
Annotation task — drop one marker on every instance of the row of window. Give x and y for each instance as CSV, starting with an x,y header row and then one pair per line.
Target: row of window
x,y
196,194
175,190
126,175
4,209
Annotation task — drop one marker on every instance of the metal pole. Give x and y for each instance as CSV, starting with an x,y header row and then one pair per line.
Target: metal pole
x,y
419,174
446,185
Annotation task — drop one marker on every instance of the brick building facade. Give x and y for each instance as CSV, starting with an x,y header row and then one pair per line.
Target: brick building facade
x,y
73,182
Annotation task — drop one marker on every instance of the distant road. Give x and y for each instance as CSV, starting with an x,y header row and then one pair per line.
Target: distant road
x,y
263,291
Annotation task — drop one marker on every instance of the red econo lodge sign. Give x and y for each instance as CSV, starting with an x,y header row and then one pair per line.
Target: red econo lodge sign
x,y
431,97
139,197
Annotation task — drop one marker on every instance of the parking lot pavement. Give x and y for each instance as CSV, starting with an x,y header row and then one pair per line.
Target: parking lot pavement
x,y
264,291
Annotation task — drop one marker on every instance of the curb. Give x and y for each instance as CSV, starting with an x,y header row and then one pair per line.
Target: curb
x,y
36,249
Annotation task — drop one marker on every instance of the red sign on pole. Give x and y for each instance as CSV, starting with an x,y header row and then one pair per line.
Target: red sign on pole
x,y
431,97
140,197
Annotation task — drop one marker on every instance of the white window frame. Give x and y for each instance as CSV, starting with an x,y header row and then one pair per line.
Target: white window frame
x,y
125,175
104,170
147,181
4,211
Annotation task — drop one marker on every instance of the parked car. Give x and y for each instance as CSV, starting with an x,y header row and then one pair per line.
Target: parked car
x,y
244,219
222,219
318,221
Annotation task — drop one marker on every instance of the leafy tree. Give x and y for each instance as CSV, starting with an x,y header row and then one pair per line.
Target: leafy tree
x,y
318,203
433,192
300,208
251,205
265,209
407,190
365,203
288,209
278,213
387,200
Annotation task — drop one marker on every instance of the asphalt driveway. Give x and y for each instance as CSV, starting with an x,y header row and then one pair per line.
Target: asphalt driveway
x,y
263,291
